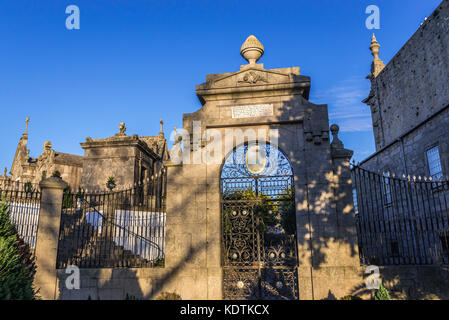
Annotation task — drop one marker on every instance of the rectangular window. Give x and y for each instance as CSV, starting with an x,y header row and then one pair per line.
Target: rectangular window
x,y
434,163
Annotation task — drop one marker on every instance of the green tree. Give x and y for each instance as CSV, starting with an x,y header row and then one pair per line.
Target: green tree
x,y
56,174
287,211
28,187
67,198
271,210
16,265
266,210
382,293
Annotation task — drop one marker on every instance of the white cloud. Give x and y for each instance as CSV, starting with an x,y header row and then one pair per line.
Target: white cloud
x,y
345,104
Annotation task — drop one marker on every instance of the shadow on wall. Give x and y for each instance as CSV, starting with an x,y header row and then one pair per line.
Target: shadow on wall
x,y
412,282
123,283
321,234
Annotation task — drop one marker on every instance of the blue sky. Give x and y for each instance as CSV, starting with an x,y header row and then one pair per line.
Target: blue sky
x,y
139,61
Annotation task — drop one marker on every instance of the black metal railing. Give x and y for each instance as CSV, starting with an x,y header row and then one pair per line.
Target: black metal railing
x,y
24,203
401,220
114,229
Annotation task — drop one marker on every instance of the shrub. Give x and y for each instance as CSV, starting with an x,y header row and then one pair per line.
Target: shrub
x,y
160,262
28,187
169,296
67,198
131,297
382,293
17,266
351,298
56,174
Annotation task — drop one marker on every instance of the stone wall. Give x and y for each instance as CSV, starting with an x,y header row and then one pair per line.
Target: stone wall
x,y
100,164
409,282
407,155
402,282
413,86
126,158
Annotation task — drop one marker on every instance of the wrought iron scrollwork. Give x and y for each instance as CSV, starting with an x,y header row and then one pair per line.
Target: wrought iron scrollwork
x,y
259,228
277,163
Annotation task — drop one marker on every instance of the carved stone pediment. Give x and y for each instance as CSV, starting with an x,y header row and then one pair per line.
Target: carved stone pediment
x,y
251,77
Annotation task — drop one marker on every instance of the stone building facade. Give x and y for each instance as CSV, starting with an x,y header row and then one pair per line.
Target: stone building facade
x,y
261,100
128,159
409,102
27,169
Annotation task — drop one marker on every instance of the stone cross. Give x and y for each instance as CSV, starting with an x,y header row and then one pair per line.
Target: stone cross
x,y
26,124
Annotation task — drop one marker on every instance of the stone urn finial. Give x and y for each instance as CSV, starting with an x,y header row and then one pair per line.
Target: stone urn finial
x,y
374,47
336,142
252,49
122,129
377,66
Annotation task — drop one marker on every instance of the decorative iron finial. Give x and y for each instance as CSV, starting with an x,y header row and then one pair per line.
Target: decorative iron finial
x,y
26,124
252,49
377,66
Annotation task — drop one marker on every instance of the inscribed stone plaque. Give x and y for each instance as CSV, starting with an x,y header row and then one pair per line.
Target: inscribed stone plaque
x,y
260,110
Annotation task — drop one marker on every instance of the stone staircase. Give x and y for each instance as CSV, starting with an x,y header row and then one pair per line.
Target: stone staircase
x,y
95,249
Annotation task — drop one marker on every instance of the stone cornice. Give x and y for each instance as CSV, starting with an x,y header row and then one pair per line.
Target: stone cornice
x,y
53,183
253,79
294,86
341,153
114,142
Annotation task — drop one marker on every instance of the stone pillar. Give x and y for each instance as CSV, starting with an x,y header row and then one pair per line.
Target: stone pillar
x,y
47,237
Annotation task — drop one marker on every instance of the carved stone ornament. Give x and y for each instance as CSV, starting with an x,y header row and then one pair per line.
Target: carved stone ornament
x,y
122,129
253,77
252,49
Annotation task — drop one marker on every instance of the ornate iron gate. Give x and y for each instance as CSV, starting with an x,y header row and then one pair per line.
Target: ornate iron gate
x,y
258,225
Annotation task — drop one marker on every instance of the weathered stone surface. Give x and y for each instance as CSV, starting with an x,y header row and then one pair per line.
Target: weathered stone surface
x,y
413,85
47,237
409,101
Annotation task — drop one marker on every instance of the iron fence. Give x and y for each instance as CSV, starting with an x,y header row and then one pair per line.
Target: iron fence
x,y
114,229
401,220
24,203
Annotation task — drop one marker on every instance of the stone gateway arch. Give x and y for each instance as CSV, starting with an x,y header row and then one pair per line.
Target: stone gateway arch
x,y
272,216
